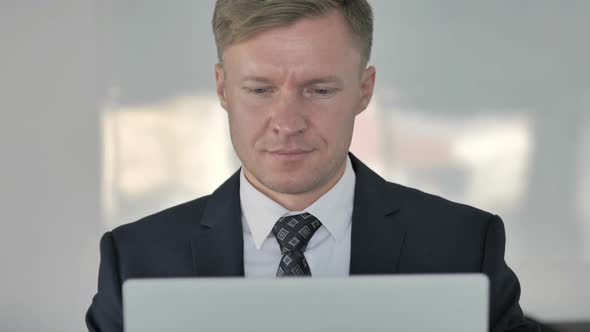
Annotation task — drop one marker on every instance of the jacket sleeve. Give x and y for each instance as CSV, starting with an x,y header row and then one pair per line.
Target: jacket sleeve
x,y
105,313
505,312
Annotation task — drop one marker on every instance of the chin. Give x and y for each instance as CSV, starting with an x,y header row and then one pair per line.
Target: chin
x,y
290,178
292,186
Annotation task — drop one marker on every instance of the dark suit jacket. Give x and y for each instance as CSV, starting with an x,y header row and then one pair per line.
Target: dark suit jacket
x,y
395,230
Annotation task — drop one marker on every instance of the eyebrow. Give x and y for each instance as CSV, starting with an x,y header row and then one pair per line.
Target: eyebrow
x,y
320,80
256,79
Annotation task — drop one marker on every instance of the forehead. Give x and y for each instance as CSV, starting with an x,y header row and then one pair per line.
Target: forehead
x,y
320,45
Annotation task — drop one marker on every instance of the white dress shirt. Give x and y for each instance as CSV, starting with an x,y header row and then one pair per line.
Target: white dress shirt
x,y
328,251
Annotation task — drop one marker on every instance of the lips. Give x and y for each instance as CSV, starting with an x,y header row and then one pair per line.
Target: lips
x,y
290,154
290,151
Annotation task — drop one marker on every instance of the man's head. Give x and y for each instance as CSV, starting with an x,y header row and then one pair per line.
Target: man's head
x,y
292,77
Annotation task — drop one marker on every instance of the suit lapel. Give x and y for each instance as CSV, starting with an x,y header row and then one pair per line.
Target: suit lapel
x,y
377,231
218,243
376,240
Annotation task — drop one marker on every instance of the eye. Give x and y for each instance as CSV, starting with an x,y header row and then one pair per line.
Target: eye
x,y
259,91
319,92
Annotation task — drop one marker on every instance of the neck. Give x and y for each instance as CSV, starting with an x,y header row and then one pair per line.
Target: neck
x,y
299,201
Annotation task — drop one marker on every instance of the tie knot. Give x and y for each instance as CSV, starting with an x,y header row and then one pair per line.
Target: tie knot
x,y
293,232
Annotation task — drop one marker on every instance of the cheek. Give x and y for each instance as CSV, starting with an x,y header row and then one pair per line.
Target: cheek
x,y
246,126
336,125
244,112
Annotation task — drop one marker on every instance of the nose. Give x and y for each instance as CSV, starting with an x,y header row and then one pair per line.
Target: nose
x,y
288,115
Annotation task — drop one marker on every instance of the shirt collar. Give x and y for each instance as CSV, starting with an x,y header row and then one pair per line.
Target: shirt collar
x,y
333,209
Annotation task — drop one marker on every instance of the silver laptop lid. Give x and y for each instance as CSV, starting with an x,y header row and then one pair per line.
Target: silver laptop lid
x,y
407,303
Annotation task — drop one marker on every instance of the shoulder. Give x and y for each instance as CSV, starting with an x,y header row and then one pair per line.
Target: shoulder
x,y
428,210
167,223
414,198
441,235
418,206
154,246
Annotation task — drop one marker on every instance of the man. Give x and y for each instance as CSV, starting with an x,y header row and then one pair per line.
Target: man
x,y
292,76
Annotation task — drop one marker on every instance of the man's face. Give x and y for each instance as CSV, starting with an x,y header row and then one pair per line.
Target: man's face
x,y
292,94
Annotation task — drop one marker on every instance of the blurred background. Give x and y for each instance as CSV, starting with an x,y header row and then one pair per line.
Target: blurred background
x,y
108,113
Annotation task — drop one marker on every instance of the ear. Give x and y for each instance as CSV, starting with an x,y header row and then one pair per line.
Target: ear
x,y
220,85
367,85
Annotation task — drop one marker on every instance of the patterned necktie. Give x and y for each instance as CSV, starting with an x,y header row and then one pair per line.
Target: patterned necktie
x,y
292,234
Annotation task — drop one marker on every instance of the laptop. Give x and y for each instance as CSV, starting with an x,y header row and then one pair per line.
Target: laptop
x,y
435,302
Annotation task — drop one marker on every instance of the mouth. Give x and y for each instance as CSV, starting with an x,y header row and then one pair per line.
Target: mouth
x,y
290,154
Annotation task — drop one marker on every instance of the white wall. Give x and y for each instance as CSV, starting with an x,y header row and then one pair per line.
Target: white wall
x,y
50,163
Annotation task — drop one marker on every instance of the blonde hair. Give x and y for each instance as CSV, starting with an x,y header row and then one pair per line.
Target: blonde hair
x,y
236,20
